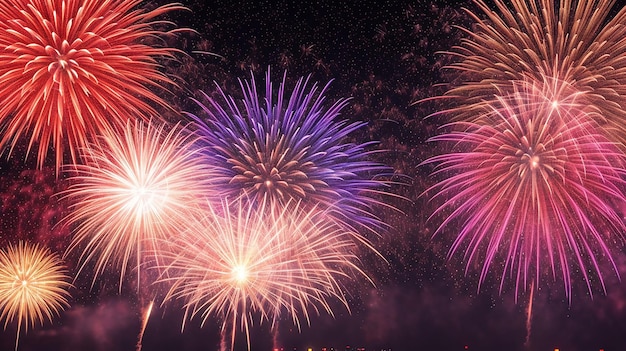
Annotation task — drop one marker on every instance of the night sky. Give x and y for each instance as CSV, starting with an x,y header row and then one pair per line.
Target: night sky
x,y
385,56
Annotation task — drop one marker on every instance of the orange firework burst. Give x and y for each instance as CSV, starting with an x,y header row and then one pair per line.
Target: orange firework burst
x,y
133,189
570,41
33,285
243,262
71,69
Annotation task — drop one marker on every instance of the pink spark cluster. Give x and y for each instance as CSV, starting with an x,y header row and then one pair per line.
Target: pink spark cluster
x,y
244,263
535,175
135,189
533,183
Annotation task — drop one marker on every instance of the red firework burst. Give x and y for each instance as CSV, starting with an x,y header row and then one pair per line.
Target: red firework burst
x,y
539,186
71,69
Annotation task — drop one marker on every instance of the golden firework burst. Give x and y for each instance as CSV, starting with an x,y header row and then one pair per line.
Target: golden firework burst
x,y
33,285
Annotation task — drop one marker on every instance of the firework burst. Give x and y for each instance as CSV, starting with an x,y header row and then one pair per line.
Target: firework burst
x,y
538,187
33,285
72,69
570,41
133,189
240,262
294,148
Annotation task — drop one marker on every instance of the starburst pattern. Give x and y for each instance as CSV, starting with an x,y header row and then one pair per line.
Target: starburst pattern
x,y
133,189
241,262
292,148
33,285
72,69
540,186
570,41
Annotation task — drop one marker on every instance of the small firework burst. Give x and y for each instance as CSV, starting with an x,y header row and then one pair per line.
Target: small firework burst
x,y
75,68
33,285
540,186
240,262
294,148
133,189
570,41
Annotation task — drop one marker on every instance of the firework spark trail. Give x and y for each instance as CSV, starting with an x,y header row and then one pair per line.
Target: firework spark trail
x,y
223,342
529,316
72,72
246,261
134,189
293,148
144,324
572,41
538,183
33,285
275,337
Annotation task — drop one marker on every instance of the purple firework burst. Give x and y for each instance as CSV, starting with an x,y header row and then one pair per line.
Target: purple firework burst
x,y
292,148
538,186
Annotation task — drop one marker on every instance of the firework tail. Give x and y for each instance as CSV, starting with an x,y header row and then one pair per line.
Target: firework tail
x,y
275,338
529,312
144,324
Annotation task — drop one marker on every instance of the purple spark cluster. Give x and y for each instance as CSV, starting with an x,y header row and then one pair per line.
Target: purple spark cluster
x,y
293,146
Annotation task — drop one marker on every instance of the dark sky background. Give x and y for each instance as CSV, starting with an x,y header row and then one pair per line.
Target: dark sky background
x,y
385,55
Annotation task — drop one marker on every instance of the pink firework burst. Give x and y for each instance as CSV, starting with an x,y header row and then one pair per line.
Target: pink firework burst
x,y
71,69
134,188
539,186
244,262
